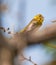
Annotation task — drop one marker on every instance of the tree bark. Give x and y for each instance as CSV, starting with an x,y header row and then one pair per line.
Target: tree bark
x,y
47,33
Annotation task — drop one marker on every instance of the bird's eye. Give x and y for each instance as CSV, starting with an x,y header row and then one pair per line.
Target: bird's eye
x,y
39,15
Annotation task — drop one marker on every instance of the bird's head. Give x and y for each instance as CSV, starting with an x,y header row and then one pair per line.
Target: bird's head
x,y
39,18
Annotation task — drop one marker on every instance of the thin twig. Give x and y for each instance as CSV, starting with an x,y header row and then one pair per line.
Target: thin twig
x,y
28,59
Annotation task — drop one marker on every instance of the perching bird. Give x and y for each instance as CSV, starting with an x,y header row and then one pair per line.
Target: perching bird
x,y
35,22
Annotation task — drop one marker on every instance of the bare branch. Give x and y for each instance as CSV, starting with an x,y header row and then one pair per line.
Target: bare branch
x,y
47,33
28,59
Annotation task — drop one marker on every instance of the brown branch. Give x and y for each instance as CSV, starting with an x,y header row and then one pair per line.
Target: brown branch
x,y
33,36
28,59
47,33
53,21
30,37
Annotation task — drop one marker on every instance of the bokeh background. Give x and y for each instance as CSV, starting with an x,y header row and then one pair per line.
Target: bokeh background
x,y
19,13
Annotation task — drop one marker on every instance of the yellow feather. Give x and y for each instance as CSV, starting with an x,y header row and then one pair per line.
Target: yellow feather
x,y
37,20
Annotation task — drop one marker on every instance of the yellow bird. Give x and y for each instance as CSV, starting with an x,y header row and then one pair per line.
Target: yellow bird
x,y
35,22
